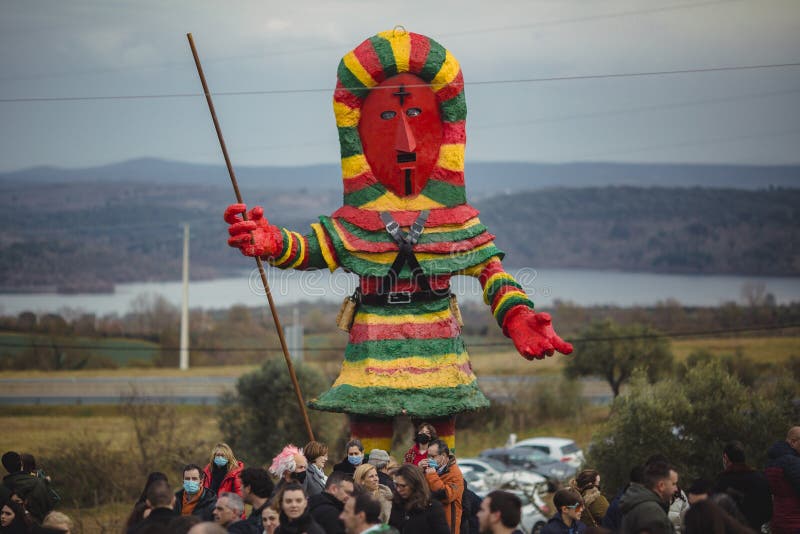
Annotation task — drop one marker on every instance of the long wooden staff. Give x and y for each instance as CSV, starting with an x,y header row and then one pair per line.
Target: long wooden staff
x,y
258,260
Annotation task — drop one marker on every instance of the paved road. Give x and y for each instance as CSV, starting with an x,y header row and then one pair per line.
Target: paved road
x,y
202,389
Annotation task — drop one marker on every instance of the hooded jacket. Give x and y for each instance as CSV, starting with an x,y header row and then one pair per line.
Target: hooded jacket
x,y
33,490
783,473
325,509
642,510
753,486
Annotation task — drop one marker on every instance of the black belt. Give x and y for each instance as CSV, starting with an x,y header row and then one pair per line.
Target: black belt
x,y
400,297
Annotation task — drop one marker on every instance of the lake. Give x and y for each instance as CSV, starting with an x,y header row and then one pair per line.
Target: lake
x,y
582,287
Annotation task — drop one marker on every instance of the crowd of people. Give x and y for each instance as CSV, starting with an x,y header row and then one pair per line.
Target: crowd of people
x,y
371,493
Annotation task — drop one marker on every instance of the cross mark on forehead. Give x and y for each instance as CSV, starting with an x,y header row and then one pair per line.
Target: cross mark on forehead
x,y
402,94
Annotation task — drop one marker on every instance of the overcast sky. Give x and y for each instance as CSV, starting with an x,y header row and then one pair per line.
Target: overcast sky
x,y
77,48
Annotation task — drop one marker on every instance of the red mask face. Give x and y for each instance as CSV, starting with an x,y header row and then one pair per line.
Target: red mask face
x,y
401,132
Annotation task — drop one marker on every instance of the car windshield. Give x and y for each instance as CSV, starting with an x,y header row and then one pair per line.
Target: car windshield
x,y
529,454
496,464
571,448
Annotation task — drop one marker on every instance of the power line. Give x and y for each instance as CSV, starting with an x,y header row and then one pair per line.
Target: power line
x,y
293,51
654,335
510,81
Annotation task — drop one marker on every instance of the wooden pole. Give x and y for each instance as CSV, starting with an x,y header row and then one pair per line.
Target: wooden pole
x,y
259,263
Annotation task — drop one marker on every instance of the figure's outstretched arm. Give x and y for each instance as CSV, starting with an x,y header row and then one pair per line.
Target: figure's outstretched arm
x,y
531,332
282,248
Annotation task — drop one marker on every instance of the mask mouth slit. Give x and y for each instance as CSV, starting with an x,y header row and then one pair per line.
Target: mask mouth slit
x,y
408,181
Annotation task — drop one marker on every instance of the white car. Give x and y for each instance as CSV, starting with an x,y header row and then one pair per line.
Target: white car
x,y
535,510
562,449
495,475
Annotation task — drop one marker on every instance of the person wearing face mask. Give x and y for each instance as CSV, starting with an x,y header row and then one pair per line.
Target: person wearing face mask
x,y
223,470
354,458
290,466
425,435
194,499
445,481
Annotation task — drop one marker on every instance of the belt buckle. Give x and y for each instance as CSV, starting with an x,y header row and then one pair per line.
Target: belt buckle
x,y
398,297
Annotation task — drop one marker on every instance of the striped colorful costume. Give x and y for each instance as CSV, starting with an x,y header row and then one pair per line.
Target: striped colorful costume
x,y
403,359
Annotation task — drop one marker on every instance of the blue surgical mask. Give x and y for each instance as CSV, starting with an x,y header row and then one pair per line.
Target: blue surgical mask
x,y
220,461
432,463
191,486
355,460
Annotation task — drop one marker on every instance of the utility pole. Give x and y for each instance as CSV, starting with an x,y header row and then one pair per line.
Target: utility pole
x,y
184,356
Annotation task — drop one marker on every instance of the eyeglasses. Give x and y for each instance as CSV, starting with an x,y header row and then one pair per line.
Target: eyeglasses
x,y
574,506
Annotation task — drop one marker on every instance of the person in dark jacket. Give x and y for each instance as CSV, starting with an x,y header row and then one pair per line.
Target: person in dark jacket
x,y
783,473
295,515
194,499
613,518
413,510
32,490
644,506
500,513
227,513
354,456
13,519
256,490
380,459
326,507
567,519
160,499
748,487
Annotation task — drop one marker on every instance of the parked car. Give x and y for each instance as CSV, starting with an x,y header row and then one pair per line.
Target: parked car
x,y
561,449
495,475
534,460
535,514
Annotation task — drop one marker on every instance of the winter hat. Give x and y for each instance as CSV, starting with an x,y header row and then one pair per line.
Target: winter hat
x,y
378,456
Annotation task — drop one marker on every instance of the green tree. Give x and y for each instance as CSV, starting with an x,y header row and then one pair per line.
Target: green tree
x,y
689,420
613,352
263,416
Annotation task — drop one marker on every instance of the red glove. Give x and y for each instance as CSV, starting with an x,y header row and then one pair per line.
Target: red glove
x,y
255,236
533,334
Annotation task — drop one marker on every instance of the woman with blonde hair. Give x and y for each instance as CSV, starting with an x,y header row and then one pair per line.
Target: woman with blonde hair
x,y
58,521
587,483
222,471
366,479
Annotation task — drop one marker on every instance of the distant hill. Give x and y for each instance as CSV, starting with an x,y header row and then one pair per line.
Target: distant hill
x,y
88,229
483,178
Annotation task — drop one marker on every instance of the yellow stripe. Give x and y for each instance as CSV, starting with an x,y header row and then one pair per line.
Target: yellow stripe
x,y
391,202
355,67
425,318
451,157
515,293
447,73
327,255
388,257
288,252
476,270
401,48
495,276
442,375
301,250
451,227
384,444
345,115
354,165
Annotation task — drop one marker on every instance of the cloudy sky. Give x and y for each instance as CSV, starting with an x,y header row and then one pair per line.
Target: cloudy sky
x,y
541,78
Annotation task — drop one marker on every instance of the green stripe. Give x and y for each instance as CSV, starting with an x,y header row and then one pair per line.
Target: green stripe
x,y
364,195
315,258
383,236
390,402
390,349
434,61
444,193
455,109
385,55
285,239
352,83
350,141
418,308
500,313
443,264
497,284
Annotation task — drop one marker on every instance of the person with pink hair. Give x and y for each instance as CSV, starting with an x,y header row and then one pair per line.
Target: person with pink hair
x,y
289,465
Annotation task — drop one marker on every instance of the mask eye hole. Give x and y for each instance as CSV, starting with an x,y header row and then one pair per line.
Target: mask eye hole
x,y
387,115
413,112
